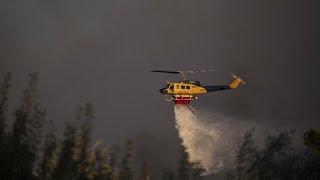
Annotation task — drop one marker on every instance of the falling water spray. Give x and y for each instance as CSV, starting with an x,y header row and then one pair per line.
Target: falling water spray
x,y
209,141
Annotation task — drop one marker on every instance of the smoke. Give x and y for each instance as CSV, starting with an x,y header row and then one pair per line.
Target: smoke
x,y
212,140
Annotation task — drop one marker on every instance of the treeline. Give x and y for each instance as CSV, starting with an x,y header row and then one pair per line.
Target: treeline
x,y
30,151
278,159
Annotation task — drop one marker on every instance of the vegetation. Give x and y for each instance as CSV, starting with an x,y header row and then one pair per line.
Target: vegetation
x,y
27,152
277,160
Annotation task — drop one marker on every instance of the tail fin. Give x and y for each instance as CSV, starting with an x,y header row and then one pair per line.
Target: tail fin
x,y
236,82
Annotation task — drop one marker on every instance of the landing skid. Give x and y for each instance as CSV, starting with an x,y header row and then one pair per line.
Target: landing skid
x,y
184,97
180,99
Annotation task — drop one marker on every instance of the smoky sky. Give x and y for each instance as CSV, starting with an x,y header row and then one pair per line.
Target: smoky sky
x,y
101,51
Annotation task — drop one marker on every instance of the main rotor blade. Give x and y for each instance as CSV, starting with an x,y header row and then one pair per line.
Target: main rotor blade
x,y
171,72
205,70
184,72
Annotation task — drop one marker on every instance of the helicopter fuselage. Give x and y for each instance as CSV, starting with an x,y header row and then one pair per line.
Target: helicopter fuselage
x,y
183,92
181,88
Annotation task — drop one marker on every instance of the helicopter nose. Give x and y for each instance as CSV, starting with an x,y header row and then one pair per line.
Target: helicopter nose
x,y
162,90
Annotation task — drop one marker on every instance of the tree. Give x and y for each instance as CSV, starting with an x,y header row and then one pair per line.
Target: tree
x,y
103,168
113,174
188,170
66,165
197,171
312,157
75,160
126,172
246,154
184,166
268,161
276,161
49,158
145,171
26,133
4,90
83,156
312,139
168,175
5,149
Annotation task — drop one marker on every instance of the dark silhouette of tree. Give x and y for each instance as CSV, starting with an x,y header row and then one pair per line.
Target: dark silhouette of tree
x,y
66,165
246,154
114,153
26,133
70,158
168,175
75,160
87,169
145,171
126,172
4,90
276,149
311,165
276,161
184,165
312,139
197,171
5,149
312,157
83,156
187,170
49,158
103,168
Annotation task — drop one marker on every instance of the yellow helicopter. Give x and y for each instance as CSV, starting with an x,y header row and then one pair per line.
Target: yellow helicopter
x,y
183,92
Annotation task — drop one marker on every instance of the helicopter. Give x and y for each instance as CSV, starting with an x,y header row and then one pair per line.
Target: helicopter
x,y
184,91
